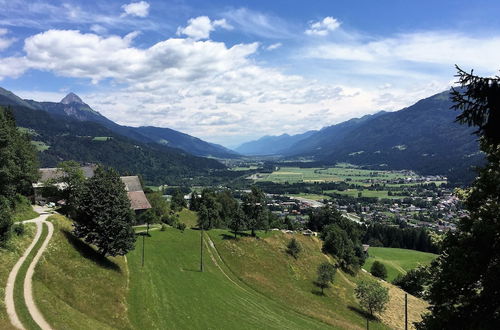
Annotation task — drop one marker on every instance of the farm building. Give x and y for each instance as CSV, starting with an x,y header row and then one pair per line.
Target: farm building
x,y
50,176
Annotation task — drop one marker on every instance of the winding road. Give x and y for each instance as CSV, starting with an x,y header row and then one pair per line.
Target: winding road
x,y
28,280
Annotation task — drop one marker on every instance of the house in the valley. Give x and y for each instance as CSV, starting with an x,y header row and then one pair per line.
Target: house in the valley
x,y
50,176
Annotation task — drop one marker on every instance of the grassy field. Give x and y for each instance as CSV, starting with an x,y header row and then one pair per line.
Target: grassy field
x,y
397,261
40,146
331,174
75,288
264,265
190,218
101,138
171,293
364,193
9,256
23,209
314,197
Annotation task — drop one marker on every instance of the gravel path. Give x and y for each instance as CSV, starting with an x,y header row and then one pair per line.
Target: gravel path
x,y
28,289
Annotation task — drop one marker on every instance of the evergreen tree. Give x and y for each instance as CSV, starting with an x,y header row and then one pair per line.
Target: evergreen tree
x,y
5,220
73,179
104,217
465,291
178,202
18,160
193,204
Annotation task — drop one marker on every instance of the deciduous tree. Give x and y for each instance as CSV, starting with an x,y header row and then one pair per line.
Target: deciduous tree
x,y
372,296
326,272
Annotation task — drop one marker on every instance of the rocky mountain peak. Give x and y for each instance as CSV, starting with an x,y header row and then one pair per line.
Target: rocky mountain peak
x,y
71,98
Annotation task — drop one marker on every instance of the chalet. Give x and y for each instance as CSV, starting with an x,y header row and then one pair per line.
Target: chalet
x,y
136,196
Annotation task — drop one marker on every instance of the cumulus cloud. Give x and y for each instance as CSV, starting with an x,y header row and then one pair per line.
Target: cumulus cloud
x,y
139,9
201,26
323,27
5,42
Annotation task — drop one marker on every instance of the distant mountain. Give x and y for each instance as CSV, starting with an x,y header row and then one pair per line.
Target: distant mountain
x,y
271,145
423,137
72,106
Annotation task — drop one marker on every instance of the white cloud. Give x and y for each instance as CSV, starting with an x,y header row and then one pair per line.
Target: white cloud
x,y
201,26
259,24
139,9
5,42
274,46
323,27
99,29
434,48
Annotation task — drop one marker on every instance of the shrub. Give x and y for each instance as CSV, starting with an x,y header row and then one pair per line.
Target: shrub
x,y
293,248
378,270
181,226
19,229
163,227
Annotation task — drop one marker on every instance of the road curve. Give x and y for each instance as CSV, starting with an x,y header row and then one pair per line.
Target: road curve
x,y
28,289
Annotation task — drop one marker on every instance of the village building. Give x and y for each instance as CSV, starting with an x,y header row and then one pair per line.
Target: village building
x,y
49,177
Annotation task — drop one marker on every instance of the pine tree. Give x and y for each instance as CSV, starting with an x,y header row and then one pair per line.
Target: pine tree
x,y
104,217
465,291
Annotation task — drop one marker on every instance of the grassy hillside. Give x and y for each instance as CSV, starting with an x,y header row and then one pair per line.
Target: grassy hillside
x,y
264,265
9,256
170,291
397,261
75,288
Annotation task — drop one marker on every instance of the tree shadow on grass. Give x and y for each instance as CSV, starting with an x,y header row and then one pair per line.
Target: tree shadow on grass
x,y
318,293
363,313
88,252
238,235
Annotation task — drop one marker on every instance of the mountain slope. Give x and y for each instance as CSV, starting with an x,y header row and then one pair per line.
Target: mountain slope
x,y
89,142
73,107
423,137
272,145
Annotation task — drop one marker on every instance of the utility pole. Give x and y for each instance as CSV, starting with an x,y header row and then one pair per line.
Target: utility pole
x,y
406,311
201,249
367,324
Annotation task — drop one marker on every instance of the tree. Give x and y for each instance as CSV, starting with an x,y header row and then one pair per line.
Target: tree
x,y
73,179
18,159
178,202
326,272
378,270
465,291
254,205
372,296
237,222
5,220
193,204
415,281
293,248
103,216
208,210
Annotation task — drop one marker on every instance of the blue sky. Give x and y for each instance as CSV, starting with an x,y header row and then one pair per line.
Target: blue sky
x,y
230,71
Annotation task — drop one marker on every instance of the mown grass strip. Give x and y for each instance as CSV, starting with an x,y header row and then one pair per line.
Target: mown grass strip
x,y
20,303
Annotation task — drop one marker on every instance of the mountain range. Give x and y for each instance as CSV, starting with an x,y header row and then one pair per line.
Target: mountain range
x,y
423,137
71,130
72,106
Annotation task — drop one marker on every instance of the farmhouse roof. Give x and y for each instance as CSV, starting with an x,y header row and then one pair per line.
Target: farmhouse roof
x,y
138,200
53,173
132,183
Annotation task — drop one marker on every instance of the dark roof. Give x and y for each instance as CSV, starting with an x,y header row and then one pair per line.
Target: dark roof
x,y
138,200
132,183
56,173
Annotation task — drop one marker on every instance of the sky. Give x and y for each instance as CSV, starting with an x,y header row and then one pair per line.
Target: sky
x,y
233,71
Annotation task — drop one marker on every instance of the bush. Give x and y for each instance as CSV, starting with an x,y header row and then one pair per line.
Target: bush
x,y
415,281
18,229
378,270
181,226
5,220
293,248
163,227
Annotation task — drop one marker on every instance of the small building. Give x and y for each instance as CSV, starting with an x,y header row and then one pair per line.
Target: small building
x,y
138,200
136,196
365,248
